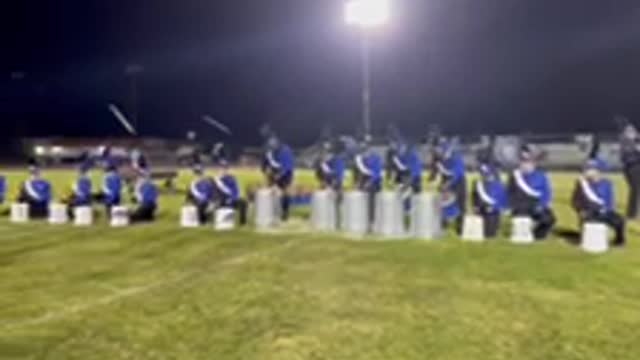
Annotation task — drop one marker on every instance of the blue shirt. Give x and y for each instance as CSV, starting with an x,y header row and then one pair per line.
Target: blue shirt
x,y
201,190
38,190
146,193
409,163
333,170
112,188
227,190
82,191
280,160
3,188
450,208
491,193
452,168
534,184
599,192
370,166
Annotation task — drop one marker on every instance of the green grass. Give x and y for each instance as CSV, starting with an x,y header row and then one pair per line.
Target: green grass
x,y
161,292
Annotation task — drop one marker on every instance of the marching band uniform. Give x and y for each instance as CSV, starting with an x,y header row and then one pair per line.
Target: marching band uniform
x,y
330,171
227,194
111,187
453,183
200,194
145,197
278,165
593,200
37,193
406,168
80,190
489,199
630,152
530,195
368,177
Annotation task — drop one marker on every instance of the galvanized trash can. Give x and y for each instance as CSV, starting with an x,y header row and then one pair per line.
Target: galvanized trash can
x,y
323,210
389,218
426,217
355,213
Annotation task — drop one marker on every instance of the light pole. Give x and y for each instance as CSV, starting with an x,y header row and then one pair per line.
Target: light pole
x,y
366,15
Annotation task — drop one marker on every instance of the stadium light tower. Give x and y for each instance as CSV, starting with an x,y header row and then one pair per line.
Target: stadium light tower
x,y
367,15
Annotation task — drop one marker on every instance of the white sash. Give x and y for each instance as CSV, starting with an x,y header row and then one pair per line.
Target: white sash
x,y
32,191
484,195
362,167
326,168
196,192
139,195
522,184
105,187
452,199
399,164
590,193
222,186
272,160
443,170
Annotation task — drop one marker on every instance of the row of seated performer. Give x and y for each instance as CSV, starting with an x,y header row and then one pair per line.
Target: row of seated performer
x,y
527,192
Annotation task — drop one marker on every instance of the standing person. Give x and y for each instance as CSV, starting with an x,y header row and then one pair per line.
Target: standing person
x,y
278,166
36,192
80,189
145,197
227,192
450,166
594,201
368,176
111,187
530,194
630,152
330,168
200,193
489,198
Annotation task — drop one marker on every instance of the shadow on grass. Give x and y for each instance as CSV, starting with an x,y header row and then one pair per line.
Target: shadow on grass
x,y
571,236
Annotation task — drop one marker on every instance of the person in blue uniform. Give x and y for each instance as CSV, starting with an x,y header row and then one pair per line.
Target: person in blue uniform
x,y
111,187
36,192
330,168
200,193
593,199
145,198
530,194
368,173
489,198
227,192
278,166
3,189
80,189
450,166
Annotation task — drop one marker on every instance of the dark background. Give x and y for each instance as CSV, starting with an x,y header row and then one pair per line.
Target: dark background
x,y
471,66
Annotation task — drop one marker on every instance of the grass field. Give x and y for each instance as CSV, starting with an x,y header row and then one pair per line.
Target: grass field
x,y
161,292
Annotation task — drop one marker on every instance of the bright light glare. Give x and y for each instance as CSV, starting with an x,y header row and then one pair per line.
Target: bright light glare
x,y
40,150
367,13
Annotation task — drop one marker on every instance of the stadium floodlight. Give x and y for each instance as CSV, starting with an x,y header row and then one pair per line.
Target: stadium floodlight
x,y
366,15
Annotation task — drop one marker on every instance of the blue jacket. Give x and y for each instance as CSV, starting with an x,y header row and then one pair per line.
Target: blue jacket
x,y
227,190
490,194
38,190
333,170
452,169
82,191
450,209
3,188
112,188
201,191
146,193
280,161
534,185
408,164
600,194
370,167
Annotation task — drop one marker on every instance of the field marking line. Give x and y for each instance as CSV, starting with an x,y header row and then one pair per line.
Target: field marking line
x,y
129,292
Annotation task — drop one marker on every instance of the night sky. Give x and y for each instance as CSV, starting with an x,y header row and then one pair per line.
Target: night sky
x,y
470,66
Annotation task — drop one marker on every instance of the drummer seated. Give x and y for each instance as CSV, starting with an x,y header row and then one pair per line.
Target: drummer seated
x,y
36,192
146,198
227,193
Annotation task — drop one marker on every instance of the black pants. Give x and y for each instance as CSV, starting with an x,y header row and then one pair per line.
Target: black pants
x,y
143,213
241,206
37,209
632,176
491,220
612,219
204,215
544,220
